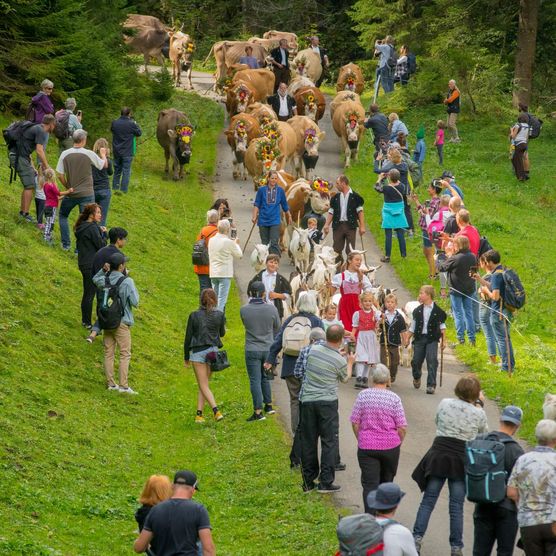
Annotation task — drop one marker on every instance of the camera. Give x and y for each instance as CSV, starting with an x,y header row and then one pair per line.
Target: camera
x,y
437,183
351,348
233,233
473,270
436,235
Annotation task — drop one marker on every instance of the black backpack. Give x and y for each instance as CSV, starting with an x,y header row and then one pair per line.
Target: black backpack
x,y
110,308
61,131
392,60
514,292
535,126
12,137
411,63
200,255
484,245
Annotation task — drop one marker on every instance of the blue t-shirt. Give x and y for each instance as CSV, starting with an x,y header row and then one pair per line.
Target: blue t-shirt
x,y
269,203
419,152
497,281
456,187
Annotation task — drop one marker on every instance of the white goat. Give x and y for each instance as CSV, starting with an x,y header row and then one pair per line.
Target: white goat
x,y
258,257
300,248
299,282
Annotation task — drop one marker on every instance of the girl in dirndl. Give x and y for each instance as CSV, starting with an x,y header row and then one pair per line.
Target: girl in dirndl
x,y
365,324
351,283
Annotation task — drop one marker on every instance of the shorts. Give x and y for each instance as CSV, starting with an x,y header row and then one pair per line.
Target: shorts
x,y
201,356
25,171
426,240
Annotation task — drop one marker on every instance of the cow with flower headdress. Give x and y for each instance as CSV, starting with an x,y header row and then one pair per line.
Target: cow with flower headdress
x,y
261,80
350,78
342,96
242,129
284,136
310,102
263,113
348,125
175,133
261,157
308,198
309,138
239,96
181,56
308,64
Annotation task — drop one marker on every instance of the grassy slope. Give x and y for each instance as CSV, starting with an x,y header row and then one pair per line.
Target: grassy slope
x,y
518,220
70,481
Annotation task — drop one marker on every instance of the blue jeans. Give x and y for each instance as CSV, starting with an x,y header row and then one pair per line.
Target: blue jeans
x,y
122,171
456,500
258,381
501,329
462,309
204,283
222,288
102,198
488,331
386,79
388,241
66,206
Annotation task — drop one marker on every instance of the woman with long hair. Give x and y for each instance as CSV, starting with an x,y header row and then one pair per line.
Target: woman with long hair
x,y
205,328
101,180
90,237
157,489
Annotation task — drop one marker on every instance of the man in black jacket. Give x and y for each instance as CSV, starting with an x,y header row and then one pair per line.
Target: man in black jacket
x,y
460,265
280,64
318,49
282,103
124,131
378,122
345,215
429,328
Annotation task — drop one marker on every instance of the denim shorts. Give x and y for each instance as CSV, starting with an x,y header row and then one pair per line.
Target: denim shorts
x,y
426,240
201,356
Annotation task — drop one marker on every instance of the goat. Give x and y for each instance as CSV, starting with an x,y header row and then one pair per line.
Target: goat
x,y
258,257
300,248
299,282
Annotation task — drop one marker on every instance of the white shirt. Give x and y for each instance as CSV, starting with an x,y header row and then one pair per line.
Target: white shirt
x,y
343,205
222,252
351,277
398,540
284,56
283,106
316,50
269,281
390,316
427,310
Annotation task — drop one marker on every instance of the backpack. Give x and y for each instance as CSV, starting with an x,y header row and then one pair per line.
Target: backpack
x,y
514,292
61,131
414,174
110,308
12,137
411,63
392,60
485,474
535,126
296,335
361,534
484,245
200,255
437,225
30,113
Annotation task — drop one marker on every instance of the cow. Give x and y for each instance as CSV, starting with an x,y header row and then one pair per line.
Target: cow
x,y
242,129
148,36
350,78
304,198
290,37
309,136
174,133
308,64
227,53
310,102
262,112
258,257
268,44
343,96
300,248
260,158
348,124
297,82
239,96
262,81
181,56
285,138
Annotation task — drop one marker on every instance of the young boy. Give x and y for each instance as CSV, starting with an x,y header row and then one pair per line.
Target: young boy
x,y
429,328
391,330
315,235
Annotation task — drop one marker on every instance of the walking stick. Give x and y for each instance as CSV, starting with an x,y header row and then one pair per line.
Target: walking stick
x,y
249,236
507,339
377,85
441,363
363,249
386,343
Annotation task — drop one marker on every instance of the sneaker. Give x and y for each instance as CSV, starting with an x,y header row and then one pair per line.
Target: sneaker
x,y
325,489
392,379
418,543
417,383
87,326
218,416
199,419
27,217
255,417
430,390
340,466
358,383
308,487
268,409
128,390
90,338
364,382
456,551
114,388
385,259
40,226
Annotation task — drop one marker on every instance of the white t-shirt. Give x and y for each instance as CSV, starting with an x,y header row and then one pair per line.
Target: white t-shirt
x,y
398,540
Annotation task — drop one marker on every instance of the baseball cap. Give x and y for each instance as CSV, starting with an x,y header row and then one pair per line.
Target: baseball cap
x,y
386,496
256,289
186,478
447,174
512,414
116,259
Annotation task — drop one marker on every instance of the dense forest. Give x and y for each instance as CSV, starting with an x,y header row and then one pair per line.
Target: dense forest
x,y
494,48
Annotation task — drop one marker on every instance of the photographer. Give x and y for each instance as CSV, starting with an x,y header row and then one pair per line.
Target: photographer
x,y
378,123
385,73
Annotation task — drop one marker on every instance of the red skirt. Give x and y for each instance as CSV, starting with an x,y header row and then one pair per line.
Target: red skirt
x,y
349,303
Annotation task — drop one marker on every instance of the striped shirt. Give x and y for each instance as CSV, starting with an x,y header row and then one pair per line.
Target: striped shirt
x,y
325,368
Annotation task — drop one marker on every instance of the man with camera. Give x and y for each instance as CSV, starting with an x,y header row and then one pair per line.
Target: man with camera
x,y
386,64
378,123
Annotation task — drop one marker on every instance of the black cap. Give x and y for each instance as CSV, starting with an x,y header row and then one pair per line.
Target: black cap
x,y
186,478
256,289
447,174
116,259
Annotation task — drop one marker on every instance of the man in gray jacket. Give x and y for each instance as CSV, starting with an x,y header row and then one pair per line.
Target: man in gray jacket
x,y
120,336
262,323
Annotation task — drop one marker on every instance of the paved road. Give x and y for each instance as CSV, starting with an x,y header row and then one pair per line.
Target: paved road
x,y
420,408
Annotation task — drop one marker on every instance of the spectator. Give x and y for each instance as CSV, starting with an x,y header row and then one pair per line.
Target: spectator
x,y
207,233
450,186
378,123
249,59
319,411
205,328
279,57
396,126
121,336
318,49
223,208
262,323
519,136
89,237
125,130
500,316
74,123
117,238
439,140
428,326
498,522
40,201
74,171
485,310
346,216
266,212
393,212
384,73
379,424
33,139
393,327
401,73
532,486
277,289
52,195
420,148
222,252
524,108
101,180
460,266
457,420
452,102
283,104
41,105
157,489
175,526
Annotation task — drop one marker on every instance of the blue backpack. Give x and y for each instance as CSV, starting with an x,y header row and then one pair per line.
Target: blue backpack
x,y
514,292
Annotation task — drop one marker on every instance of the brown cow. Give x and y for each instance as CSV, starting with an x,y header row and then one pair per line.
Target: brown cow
x,y
150,37
181,56
310,102
284,135
342,96
239,96
348,124
308,64
263,113
350,78
309,136
290,37
261,157
262,81
242,129
174,133
297,82
268,44
303,198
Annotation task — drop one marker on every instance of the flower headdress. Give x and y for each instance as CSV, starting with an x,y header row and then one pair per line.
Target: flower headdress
x,y
242,92
184,132
267,151
352,119
320,185
271,131
190,47
310,135
240,129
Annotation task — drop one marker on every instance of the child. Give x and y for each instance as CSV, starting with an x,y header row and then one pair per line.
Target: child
x,y
425,344
364,327
39,200
439,141
330,318
392,327
420,148
315,235
101,180
52,195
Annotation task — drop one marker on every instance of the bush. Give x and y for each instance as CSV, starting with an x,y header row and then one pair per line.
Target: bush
x,y
162,86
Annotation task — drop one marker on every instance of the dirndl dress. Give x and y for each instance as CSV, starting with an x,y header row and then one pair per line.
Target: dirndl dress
x,y
349,302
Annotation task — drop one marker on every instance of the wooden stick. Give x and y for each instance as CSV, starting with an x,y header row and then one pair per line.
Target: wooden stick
x,y
249,236
441,364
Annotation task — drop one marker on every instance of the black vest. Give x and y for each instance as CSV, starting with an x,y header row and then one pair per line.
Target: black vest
x,y
453,107
354,200
438,316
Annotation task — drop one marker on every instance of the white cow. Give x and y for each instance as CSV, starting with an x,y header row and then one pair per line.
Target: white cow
x,y
258,257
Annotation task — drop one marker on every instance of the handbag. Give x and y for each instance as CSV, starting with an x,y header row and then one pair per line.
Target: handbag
x,y
218,360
